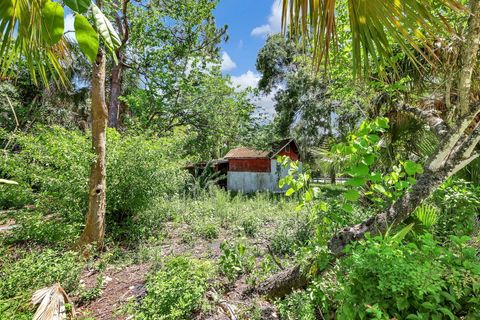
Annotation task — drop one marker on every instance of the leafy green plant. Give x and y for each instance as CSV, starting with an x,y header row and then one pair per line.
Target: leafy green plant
x,y
177,290
459,204
424,280
26,272
235,260
296,306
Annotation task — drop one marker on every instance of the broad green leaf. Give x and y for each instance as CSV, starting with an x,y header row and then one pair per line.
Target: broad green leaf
x,y
4,181
79,6
412,168
368,159
359,171
400,235
289,192
347,208
352,195
52,22
86,36
355,182
106,30
379,188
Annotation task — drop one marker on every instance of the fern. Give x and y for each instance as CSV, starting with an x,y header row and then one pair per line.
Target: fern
x,y
427,215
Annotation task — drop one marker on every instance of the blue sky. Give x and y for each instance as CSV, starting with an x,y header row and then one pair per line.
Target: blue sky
x,y
249,23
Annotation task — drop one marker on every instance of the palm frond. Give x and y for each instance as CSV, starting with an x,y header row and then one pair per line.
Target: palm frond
x,y
51,301
24,27
374,25
427,215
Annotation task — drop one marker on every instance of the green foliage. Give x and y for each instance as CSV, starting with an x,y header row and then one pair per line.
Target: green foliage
x,y
459,204
422,280
52,168
86,37
140,168
176,290
235,260
23,273
296,306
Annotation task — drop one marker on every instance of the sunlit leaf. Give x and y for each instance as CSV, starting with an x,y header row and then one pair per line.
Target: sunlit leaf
x,y
87,37
105,29
52,22
79,6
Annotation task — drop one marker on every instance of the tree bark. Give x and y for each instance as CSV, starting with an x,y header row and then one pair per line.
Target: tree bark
x,y
116,88
94,231
115,92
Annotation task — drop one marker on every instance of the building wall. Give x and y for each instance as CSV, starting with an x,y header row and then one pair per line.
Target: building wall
x,y
293,153
249,165
249,182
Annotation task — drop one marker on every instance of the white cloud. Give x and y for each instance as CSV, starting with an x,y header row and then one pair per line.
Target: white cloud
x,y
274,24
227,62
250,79
69,20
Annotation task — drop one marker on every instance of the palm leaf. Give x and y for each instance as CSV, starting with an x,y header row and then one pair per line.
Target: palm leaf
x,y
51,301
32,33
374,24
427,215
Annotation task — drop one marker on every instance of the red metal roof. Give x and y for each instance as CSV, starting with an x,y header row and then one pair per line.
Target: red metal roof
x,y
243,152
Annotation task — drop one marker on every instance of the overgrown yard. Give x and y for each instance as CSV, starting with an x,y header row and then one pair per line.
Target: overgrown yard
x,y
205,252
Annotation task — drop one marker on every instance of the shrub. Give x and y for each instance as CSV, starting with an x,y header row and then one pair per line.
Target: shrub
x,y
177,290
52,168
414,281
140,169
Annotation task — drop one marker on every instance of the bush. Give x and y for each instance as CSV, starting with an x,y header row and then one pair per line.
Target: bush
x,y
386,279
139,170
177,290
21,275
52,168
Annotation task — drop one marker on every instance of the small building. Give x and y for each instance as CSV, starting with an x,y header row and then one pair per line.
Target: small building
x,y
250,170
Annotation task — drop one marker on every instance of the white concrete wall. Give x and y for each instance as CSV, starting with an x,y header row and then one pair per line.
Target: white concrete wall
x,y
249,182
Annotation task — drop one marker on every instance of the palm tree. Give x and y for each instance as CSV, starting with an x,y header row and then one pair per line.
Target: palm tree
x,y
376,26
33,31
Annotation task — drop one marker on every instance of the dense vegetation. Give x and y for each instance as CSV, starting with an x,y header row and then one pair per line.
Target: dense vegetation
x,y
113,216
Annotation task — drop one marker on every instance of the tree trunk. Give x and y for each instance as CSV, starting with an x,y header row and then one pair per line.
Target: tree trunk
x,y
116,107
94,231
115,92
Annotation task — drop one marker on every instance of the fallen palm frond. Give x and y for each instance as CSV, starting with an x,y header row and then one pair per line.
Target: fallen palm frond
x,y
7,181
51,302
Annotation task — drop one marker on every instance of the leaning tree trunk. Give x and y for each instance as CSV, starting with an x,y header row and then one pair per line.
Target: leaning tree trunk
x,y
456,150
94,231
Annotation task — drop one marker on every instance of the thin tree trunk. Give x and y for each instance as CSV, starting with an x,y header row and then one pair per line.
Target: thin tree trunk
x,y
116,107
94,231
115,92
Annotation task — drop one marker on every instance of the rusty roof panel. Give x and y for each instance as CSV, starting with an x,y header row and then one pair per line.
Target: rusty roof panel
x,y
243,152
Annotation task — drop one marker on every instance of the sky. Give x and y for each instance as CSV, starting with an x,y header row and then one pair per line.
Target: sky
x,y
249,23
